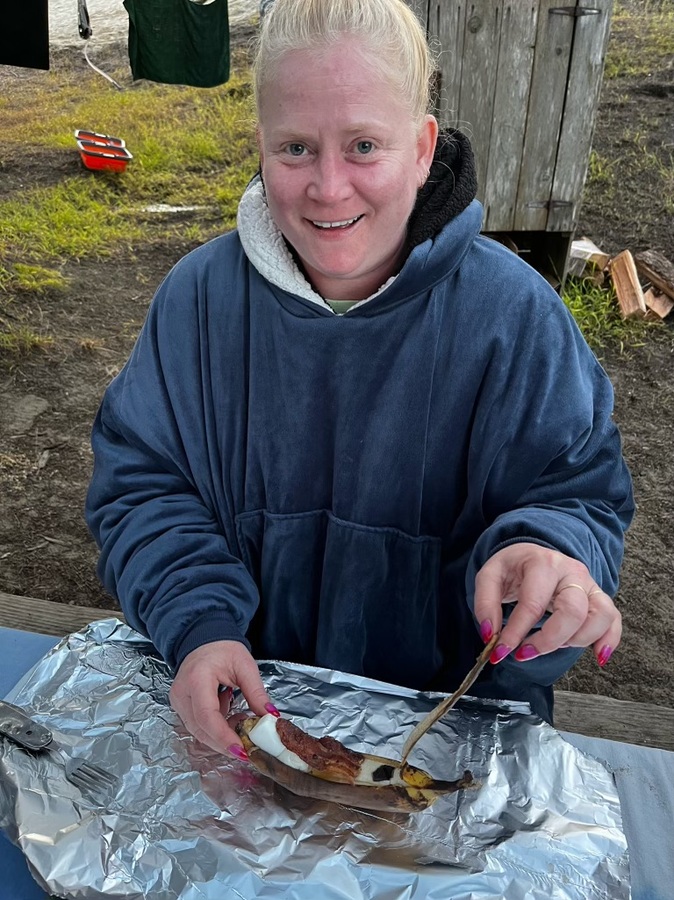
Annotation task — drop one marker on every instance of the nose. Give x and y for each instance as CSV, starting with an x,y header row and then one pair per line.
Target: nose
x,y
330,181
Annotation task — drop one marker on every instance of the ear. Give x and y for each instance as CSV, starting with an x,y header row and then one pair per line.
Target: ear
x,y
428,136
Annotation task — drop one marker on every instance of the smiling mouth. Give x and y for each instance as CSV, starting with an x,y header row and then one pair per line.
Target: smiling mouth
x,y
327,226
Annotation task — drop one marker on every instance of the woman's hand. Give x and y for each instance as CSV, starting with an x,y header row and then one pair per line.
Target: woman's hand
x,y
197,695
538,580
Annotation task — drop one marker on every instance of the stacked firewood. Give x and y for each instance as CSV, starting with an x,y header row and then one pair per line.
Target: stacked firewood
x,y
644,282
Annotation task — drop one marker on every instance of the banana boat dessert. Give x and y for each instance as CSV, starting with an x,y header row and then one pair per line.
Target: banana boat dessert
x,y
323,768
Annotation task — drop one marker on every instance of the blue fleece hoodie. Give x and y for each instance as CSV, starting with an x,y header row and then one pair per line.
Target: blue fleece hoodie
x,y
324,488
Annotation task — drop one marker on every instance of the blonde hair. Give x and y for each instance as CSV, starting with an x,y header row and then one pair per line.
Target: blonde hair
x,y
390,33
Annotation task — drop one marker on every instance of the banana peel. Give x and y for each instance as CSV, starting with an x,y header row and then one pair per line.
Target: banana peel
x,y
372,782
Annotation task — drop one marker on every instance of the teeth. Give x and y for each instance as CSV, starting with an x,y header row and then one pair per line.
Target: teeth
x,y
336,224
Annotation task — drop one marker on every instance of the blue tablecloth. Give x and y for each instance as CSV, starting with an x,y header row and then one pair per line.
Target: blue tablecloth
x,y
645,779
19,650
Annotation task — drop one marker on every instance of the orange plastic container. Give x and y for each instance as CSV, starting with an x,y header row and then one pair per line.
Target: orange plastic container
x,y
95,138
98,157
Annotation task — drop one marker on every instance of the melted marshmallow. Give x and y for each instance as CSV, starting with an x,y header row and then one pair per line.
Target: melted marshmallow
x,y
264,735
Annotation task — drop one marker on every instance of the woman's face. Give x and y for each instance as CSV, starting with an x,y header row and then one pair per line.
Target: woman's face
x,y
342,160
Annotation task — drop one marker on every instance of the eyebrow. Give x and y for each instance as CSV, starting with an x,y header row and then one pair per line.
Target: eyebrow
x,y
297,135
360,127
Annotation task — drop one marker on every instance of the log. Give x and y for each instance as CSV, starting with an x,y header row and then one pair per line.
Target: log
x,y
657,269
658,304
627,286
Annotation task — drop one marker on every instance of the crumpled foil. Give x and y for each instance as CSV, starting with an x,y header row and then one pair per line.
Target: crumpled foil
x,y
188,824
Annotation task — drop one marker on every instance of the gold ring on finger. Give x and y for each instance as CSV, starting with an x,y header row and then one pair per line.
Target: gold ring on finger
x,y
573,585
595,591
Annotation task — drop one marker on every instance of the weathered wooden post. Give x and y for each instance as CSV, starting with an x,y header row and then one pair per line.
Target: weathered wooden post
x,y
522,79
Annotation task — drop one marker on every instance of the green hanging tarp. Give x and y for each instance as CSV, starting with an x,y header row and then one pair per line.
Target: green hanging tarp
x,y
178,41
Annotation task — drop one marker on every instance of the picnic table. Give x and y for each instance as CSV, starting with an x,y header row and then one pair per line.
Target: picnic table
x,y
636,741
591,715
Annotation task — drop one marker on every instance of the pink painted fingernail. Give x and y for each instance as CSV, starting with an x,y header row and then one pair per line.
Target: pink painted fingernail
x,y
604,655
486,631
272,709
499,652
237,751
526,651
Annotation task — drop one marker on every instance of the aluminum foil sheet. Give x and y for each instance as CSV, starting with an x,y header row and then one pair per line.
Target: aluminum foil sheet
x,y
187,824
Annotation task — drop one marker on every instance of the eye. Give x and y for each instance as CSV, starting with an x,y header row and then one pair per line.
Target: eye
x,y
296,149
364,147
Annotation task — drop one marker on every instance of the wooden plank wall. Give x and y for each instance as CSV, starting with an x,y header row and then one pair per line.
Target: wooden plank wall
x,y
582,98
554,36
486,60
509,115
446,31
478,80
523,83
617,720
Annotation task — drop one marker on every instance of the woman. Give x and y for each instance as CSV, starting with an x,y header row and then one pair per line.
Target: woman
x,y
354,429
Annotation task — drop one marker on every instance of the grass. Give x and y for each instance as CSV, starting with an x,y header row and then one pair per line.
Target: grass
x,y
190,147
601,169
641,48
182,139
196,148
38,279
596,311
644,42
638,157
21,340
78,217
634,157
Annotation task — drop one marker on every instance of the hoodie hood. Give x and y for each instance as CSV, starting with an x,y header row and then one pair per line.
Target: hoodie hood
x,y
449,190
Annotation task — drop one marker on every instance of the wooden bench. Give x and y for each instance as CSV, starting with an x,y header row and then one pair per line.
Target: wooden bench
x,y
596,716
47,617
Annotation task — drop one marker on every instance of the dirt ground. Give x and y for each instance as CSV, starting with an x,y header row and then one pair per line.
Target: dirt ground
x,y
48,400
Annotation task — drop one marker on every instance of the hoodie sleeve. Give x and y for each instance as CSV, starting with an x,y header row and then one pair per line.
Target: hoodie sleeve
x,y
546,458
151,505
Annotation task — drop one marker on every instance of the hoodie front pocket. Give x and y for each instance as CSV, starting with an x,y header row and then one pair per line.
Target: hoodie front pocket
x,y
346,596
